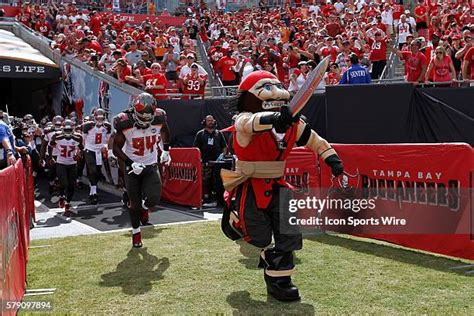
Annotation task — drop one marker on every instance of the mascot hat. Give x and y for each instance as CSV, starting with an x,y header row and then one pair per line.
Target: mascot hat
x,y
255,77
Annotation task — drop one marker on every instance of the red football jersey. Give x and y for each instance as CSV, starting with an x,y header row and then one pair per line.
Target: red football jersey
x,y
192,84
43,28
378,50
155,80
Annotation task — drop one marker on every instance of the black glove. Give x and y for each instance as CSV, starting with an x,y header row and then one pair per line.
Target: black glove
x,y
284,119
335,163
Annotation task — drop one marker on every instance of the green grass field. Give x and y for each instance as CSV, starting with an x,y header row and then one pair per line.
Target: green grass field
x,y
190,269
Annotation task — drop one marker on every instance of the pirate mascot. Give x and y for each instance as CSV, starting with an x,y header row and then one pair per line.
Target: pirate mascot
x,y
264,134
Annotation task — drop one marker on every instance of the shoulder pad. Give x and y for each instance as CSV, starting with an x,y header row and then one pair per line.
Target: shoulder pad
x,y
77,137
108,126
123,121
87,126
160,117
57,136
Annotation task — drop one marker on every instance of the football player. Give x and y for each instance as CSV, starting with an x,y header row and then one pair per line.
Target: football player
x,y
69,145
138,133
96,135
49,157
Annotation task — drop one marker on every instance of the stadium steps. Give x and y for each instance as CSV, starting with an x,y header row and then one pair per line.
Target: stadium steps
x,y
208,90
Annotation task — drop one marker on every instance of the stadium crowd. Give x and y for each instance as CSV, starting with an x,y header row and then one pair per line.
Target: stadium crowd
x,y
288,41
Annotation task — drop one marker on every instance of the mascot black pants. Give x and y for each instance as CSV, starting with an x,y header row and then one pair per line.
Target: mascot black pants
x,y
145,185
260,225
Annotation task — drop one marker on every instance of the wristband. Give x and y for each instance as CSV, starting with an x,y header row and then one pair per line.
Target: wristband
x,y
166,147
9,152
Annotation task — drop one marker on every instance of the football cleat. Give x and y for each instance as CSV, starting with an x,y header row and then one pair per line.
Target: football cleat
x,y
68,210
137,240
93,199
61,202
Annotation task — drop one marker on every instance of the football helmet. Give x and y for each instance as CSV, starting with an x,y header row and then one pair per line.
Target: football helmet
x,y
144,110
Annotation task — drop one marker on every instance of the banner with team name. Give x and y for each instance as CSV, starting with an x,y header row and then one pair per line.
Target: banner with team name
x,y
301,171
182,179
421,195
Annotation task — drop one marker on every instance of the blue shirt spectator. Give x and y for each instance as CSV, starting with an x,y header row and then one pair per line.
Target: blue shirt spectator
x,y
356,74
6,135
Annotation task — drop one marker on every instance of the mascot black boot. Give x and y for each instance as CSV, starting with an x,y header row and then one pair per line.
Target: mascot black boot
x,y
278,267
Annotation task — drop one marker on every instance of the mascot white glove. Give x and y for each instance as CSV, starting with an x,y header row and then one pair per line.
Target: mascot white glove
x,y
165,157
137,168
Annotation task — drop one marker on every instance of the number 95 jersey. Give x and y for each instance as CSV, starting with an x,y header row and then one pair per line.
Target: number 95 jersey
x,y
140,143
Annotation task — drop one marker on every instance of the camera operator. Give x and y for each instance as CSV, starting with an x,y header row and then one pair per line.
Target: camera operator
x,y
212,144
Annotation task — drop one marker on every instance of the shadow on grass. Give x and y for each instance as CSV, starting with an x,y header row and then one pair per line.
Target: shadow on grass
x,y
121,219
243,304
136,273
400,255
252,255
148,232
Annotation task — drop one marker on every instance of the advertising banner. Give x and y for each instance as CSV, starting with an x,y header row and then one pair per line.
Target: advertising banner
x,y
139,18
301,170
415,195
182,179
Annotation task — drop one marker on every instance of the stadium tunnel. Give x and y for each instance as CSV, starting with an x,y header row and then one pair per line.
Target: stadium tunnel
x,y
28,79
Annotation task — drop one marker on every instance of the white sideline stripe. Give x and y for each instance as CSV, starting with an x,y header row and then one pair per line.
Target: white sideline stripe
x,y
39,293
41,246
151,226
97,206
212,216
466,266
87,227
40,290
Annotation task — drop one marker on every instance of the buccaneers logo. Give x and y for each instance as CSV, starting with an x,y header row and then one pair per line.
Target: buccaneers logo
x,y
345,186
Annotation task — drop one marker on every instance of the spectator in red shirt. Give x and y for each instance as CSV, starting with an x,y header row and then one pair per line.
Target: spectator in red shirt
x,y
333,28
329,49
141,66
334,75
155,83
95,23
378,54
416,61
225,68
442,66
42,25
121,70
194,83
468,64
421,18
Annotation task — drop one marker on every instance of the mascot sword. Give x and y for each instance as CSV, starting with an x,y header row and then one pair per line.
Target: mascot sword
x,y
312,81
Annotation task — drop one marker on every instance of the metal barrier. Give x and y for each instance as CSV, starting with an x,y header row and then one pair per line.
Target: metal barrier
x,y
392,64
214,80
224,91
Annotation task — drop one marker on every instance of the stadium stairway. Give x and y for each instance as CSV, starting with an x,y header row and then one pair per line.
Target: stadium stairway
x,y
208,90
